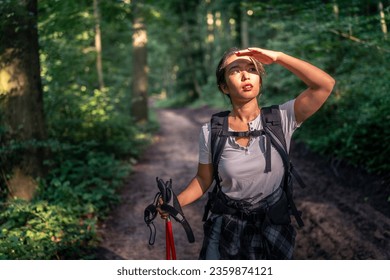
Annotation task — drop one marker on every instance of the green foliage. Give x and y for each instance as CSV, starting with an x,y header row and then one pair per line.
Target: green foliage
x,y
85,177
61,221
39,230
92,138
354,124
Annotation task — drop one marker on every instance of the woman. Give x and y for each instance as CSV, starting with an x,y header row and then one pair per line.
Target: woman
x,y
239,76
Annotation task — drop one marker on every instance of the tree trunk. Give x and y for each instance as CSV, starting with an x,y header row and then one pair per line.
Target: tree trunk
x,y
21,100
382,20
98,43
190,39
336,11
244,32
139,107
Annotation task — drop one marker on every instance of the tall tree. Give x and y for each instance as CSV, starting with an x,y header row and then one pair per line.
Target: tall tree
x,y
244,32
139,108
193,54
21,100
382,19
98,43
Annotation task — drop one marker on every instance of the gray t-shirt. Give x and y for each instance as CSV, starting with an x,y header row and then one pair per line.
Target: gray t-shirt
x,y
242,168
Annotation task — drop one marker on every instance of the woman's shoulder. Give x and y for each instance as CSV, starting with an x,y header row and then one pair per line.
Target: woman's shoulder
x,y
287,114
286,109
287,106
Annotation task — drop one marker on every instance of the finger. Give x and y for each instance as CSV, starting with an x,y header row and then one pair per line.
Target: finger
x,y
164,215
243,52
253,50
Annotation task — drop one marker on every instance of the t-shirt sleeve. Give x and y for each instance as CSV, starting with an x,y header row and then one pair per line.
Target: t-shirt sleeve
x,y
289,123
204,144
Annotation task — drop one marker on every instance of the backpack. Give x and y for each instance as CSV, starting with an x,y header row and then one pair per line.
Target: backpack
x,y
274,136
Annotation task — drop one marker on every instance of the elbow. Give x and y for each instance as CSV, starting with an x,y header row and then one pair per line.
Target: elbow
x,y
325,85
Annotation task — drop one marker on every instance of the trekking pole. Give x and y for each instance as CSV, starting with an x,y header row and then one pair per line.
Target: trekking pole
x,y
166,201
170,243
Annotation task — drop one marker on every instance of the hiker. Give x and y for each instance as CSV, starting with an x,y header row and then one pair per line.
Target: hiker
x,y
249,217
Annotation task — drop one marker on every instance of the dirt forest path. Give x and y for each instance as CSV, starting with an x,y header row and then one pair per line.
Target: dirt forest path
x,y
346,213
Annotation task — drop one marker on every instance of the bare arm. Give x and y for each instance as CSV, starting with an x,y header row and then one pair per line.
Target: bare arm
x,y
198,185
319,83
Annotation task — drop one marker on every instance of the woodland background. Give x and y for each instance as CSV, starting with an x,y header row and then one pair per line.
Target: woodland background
x,y
79,81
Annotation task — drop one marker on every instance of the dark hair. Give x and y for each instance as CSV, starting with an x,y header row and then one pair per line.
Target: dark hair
x,y
220,71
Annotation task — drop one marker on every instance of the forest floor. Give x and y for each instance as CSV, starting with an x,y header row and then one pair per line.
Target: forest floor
x,y
345,210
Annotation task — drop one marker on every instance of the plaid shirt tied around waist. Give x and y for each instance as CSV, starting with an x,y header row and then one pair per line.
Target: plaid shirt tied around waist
x,y
239,230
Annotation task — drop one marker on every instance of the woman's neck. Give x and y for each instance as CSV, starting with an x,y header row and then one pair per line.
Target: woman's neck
x,y
245,113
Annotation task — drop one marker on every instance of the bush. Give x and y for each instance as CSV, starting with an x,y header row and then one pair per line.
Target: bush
x,y
354,124
60,223
40,230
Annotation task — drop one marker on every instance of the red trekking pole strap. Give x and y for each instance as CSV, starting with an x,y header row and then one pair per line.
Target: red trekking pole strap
x,y
170,243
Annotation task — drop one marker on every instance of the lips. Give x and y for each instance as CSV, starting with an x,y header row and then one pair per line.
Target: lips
x,y
247,87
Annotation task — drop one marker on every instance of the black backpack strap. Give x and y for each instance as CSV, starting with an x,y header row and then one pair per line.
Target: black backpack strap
x,y
287,184
271,120
273,129
218,125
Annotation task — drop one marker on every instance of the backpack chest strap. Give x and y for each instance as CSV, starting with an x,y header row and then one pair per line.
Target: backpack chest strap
x,y
249,133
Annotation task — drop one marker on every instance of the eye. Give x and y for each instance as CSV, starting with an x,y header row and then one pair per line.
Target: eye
x,y
252,70
234,71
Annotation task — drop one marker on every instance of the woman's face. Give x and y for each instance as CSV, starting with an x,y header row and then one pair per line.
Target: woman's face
x,y
242,79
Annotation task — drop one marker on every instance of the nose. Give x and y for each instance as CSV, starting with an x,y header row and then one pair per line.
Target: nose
x,y
244,75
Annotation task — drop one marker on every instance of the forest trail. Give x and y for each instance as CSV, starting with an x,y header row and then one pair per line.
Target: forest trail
x,y
346,216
